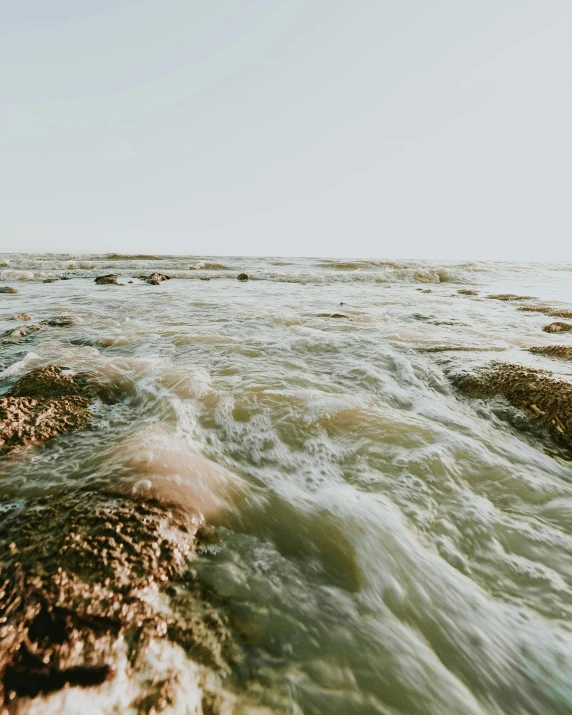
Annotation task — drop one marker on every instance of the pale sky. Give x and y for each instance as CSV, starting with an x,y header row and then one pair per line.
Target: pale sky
x,y
402,128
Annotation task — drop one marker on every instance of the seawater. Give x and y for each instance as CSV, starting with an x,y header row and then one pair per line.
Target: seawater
x,y
384,545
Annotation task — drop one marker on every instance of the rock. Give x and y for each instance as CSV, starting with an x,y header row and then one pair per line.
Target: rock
x,y
8,289
242,277
25,420
155,278
468,291
557,328
204,278
80,599
43,403
22,316
547,310
59,321
510,297
426,290
332,315
558,351
65,278
109,279
130,281
50,280
544,397
14,334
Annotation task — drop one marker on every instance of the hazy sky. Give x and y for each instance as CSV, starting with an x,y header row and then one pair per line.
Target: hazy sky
x,y
402,128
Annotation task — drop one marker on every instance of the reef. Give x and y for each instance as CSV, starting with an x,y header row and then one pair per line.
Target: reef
x,y
545,398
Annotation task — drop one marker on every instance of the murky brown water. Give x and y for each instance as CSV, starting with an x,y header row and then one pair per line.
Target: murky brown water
x,y
382,544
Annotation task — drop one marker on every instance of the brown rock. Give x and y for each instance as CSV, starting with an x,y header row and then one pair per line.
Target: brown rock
x,y
243,277
14,334
8,289
545,398
468,291
557,351
22,316
510,297
109,279
547,310
557,327
155,278
59,321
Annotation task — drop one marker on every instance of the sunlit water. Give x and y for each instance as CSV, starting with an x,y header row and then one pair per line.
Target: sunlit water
x,y
384,544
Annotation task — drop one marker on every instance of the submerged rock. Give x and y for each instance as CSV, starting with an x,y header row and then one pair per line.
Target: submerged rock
x,y
40,405
469,291
557,351
546,398
109,279
13,334
8,289
547,310
510,297
85,577
155,278
243,277
557,327
22,316
50,280
59,321
332,315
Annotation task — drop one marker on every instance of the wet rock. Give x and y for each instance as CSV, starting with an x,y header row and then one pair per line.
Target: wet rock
x,y
43,403
8,289
109,279
14,334
547,310
21,316
469,291
557,327
545,398
427,290
50,280
59,321
332,315
82,575
204,278
130,281
242,277
155,278
65,278
510,297
25,420
557,351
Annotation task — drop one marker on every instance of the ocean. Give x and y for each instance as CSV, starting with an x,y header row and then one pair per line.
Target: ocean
x,y
336,527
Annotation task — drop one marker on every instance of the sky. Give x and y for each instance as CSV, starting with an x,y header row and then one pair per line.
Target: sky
x,y
382,128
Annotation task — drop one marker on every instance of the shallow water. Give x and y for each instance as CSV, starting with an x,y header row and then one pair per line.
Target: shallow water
x,y
381,544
